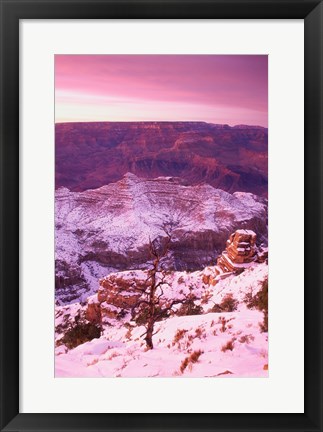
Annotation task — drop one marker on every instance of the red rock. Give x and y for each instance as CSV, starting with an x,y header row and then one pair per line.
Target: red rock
x,y
119,292
241,250
93,313
90,155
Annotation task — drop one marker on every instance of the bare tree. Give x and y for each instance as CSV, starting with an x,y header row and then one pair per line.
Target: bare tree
x,y
153,305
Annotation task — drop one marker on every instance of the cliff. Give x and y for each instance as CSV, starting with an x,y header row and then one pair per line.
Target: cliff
x,y
90,155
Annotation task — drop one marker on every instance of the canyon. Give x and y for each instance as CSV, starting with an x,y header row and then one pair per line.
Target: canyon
x,y
108,229
91,155
124,191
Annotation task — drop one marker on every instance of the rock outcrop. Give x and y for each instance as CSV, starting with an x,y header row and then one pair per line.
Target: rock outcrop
x,y
240,251
118,293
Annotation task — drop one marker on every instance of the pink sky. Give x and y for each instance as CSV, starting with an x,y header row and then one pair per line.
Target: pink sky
x,y
230,89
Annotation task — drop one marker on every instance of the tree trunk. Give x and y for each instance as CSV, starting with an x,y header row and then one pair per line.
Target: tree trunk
x,y
152,299
149,334
151,317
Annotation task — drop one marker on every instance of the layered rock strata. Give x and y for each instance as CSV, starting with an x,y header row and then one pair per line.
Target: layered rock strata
x,y
108,229
91,155
240,251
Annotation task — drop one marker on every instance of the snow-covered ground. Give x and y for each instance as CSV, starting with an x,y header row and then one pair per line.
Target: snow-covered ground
x,y
237,349
100,230
224,344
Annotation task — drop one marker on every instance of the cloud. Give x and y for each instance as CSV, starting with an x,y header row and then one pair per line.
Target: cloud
x,y
162,87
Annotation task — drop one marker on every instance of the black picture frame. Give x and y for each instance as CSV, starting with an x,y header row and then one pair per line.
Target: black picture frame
x,y
14,10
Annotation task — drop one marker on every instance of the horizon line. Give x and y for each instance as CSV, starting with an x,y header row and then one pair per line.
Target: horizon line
x,y
160,121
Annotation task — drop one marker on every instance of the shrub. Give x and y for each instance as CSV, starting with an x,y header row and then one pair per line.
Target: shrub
x,y
80,332
215,308
260,302
223,322
195,356
228,304
249,299
262,296
190,360
206,297
263,304
228,346
178,336
189,308
264,324
246,338
199,332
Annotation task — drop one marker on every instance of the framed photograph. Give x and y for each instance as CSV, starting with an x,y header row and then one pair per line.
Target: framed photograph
x,y
161,215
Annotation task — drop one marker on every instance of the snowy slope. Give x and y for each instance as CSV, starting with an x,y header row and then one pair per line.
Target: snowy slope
x,y
225,344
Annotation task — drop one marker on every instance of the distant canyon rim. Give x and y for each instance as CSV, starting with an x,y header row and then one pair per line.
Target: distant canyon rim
x,y
91,155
